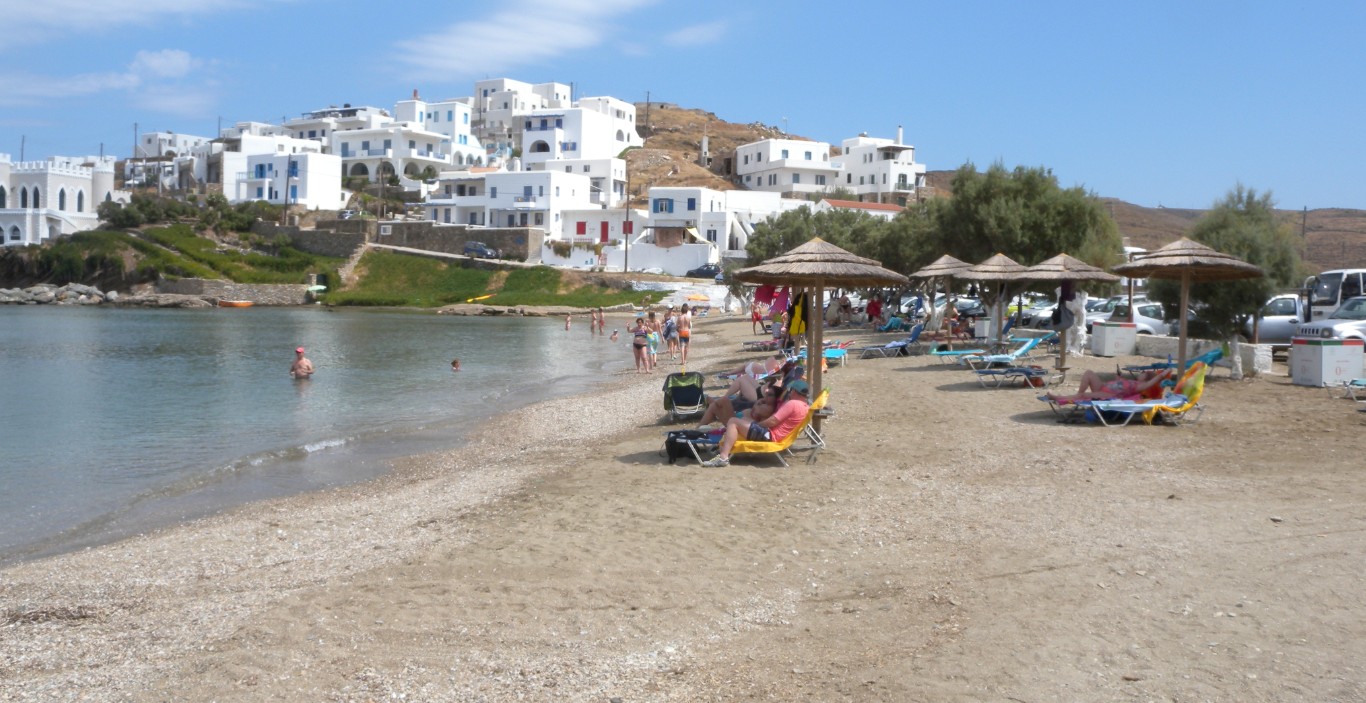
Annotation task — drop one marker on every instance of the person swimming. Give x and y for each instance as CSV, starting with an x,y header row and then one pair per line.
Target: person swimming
x,y
455,364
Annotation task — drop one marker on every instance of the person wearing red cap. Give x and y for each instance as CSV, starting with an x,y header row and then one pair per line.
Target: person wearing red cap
x,y
302,369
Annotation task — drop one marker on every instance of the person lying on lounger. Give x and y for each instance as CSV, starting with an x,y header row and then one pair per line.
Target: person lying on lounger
x,y
790,414
758,397
1094,387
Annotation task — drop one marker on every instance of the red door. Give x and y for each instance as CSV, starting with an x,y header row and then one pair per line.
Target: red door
x,y
603,235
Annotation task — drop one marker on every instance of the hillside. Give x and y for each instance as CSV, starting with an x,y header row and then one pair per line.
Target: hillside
x,y
1333,237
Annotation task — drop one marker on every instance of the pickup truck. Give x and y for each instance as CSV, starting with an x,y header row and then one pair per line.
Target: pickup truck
x,y
1281,320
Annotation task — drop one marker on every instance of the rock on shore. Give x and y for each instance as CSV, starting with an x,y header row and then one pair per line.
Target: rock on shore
x,y
79,294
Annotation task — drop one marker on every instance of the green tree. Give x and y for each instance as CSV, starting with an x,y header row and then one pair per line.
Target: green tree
x,y
1244,225
1023,214
857,232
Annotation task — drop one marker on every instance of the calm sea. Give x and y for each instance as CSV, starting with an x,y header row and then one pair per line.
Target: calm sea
x,y
113,421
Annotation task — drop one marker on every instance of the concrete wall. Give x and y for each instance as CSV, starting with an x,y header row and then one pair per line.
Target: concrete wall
x,y
259,293
522,243
1256,357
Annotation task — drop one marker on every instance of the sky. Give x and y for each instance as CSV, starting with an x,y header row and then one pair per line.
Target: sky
x,y
1163,103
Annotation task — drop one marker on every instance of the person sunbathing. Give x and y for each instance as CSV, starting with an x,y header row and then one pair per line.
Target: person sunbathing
x,y
1095,387
791,413
758,397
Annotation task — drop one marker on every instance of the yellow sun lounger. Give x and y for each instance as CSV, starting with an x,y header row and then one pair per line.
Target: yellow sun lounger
x,y
777,449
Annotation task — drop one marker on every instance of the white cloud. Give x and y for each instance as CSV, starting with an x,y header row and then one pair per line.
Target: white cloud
x,y
182,102
696,34
523,32
32,89
36,20
151,81
167,63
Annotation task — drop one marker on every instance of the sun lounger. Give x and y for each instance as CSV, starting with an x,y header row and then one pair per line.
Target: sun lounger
x,y
1024,376
778,449
954,356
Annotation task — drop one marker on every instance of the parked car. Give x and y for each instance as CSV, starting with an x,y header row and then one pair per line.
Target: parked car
x,y
704,271
1347,322
1280,320
480,250
1037,315
1150,317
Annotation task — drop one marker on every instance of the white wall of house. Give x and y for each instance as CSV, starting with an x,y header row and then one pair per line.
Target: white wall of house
x,y
878,169
509,198
450,118
309,180
155,144
607,176
40,200
786,166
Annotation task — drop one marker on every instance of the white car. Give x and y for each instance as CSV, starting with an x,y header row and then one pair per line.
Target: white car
x,y
1149,318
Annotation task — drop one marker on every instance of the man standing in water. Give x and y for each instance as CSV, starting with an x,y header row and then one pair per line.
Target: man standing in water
x,y
302,368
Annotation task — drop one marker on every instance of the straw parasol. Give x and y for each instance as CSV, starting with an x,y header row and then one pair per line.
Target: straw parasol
x,y
816,264
945,267
1188,261
998,269
1064,267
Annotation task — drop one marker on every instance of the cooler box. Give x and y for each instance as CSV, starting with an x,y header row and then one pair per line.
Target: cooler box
x,y
1325,362
984,328
1113,338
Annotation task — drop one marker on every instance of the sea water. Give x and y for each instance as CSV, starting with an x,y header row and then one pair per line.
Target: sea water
x,y
114,421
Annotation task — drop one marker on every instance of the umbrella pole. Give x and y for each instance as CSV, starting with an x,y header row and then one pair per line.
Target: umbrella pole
x,y
815,353
1185,302
1062,349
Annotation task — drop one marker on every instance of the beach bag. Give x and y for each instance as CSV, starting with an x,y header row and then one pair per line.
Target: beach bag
x,y
676,443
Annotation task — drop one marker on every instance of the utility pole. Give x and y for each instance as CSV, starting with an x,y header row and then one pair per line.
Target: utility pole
x,y
647,114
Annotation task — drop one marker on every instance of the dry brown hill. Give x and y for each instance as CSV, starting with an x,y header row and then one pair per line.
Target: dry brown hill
x,y
1332,237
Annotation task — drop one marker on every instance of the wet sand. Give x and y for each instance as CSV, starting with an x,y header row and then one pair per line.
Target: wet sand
x,y
951,544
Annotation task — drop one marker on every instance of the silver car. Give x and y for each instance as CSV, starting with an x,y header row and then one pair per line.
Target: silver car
x,y
1280,320
1347,322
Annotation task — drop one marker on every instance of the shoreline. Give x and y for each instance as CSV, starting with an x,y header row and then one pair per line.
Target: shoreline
x,y
952,543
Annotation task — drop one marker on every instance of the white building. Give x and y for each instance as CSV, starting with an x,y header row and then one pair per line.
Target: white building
x,y
724,219
451,119
880,170
480,196
305,179
585,139
157,144
787,166
499,102
40,200
883,211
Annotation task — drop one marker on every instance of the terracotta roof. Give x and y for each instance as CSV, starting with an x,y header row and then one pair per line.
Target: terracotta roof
x,y
856,205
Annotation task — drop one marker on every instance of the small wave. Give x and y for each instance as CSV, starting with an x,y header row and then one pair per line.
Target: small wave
x,y
325,444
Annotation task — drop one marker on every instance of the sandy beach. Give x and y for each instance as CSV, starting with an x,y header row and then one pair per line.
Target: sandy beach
x,y
951,544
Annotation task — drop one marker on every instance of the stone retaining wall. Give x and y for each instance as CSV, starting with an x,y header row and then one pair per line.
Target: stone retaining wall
x,y
258,293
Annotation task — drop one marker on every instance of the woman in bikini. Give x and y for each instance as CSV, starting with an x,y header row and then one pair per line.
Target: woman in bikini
x,y
640,345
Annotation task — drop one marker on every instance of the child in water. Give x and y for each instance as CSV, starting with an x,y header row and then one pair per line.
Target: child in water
x,y
455,364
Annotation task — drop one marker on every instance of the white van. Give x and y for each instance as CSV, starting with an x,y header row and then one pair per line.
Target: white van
x,y
1329,289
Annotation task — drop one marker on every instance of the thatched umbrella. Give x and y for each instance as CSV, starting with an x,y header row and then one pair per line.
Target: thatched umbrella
x,y
1065,268
1188,261
816,264
999,269
945,268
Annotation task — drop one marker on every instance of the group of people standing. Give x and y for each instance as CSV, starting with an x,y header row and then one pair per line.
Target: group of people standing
x,y
674,329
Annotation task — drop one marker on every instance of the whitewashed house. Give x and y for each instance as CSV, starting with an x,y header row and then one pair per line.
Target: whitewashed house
x,y
586,139
306,179
880,170
497,104
791,167
450,118
40,200
508,198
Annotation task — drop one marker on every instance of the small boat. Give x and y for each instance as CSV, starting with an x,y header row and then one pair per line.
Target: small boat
x,y
235,303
